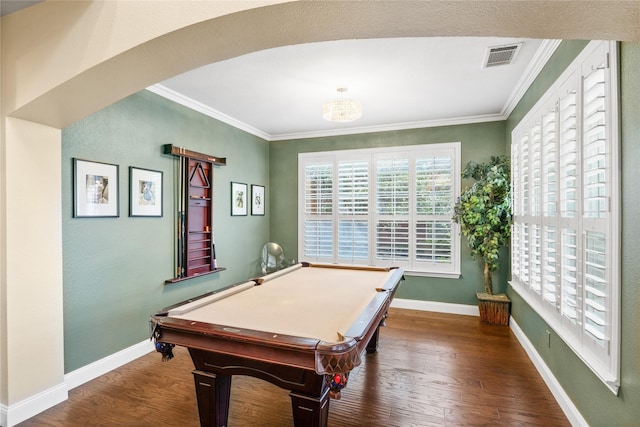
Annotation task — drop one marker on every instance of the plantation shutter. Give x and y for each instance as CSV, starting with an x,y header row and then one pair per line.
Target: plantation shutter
x,y
523,227
595,176
434,197
381,206
535,238
571,301
575,236
550,285
353,211
516,182
392,208
318,211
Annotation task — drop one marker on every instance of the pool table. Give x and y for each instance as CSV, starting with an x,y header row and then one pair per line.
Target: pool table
x,y
303,329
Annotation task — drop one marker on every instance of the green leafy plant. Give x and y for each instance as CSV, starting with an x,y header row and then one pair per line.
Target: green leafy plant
x,y
484,212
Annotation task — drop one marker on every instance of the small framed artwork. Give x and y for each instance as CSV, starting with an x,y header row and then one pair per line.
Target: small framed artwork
x,y
95,189
257,200
238,199
145,192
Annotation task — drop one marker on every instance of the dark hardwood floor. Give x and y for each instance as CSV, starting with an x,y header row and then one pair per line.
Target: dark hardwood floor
x,y
430,370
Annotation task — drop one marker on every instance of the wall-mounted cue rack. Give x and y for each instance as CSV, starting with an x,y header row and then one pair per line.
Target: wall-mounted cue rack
x,y
195,242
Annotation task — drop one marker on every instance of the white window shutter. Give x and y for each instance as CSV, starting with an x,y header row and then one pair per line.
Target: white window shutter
x,y
566,199
318,211
353,211
434,198
392,208
382,206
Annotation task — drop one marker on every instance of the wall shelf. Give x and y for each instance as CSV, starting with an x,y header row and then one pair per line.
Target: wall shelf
x,y
195,243
181,279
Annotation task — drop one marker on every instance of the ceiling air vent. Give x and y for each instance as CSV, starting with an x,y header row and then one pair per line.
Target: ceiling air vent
x,y
501,55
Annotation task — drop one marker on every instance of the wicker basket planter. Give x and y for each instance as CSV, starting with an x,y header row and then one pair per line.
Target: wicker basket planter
x,y
494,309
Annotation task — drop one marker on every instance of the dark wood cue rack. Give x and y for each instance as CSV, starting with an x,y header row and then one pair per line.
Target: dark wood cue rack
x,y
196,247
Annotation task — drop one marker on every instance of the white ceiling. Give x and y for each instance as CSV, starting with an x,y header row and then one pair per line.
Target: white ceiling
x,y
402,83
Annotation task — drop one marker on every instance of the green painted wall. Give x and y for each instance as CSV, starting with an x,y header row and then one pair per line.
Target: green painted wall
x,y
479,142
114,268
594,401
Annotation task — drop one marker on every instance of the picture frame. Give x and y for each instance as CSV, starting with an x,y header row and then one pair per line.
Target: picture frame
x,y
95,189
257,199
238,199
145,192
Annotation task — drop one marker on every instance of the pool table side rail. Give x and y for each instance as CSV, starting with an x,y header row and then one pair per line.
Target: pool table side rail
x,y
252,345
263,279
379,303
234,333
362,330
227,289
329,360
346,266
308,353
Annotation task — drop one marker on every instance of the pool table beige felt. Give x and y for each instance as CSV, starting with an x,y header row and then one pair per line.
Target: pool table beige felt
x,y
303,329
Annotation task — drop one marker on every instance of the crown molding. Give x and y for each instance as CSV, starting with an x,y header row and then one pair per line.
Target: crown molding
x,y
391,127
546,49
540,59
185,101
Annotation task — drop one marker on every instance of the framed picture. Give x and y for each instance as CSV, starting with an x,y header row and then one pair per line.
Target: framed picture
x,y
257,200
95,189
145,192
238,199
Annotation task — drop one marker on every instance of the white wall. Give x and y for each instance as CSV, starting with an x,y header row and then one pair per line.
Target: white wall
x,y
33,359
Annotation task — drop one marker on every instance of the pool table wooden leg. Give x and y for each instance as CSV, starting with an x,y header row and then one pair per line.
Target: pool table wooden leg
x,y
213,392
372,345
309,411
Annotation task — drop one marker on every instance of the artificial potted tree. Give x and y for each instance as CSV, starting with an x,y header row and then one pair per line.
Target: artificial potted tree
x,y
484,214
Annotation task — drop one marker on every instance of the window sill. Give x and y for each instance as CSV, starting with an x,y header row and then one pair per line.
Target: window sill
x,y
432,274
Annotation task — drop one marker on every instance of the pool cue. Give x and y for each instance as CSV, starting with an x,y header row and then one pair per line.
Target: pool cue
x,y
180,193
214,261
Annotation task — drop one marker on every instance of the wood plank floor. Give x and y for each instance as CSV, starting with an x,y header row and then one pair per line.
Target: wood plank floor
x,y
430,370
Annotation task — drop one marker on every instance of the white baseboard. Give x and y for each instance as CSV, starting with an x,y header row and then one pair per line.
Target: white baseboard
x,y
14,414
438,307
100,367
10,416
27,408
567,406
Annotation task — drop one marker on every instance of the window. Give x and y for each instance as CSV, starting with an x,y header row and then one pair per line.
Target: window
x,y
390,206
566,198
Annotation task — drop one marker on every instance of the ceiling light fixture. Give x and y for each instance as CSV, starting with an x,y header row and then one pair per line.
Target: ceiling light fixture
x,y
342,109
